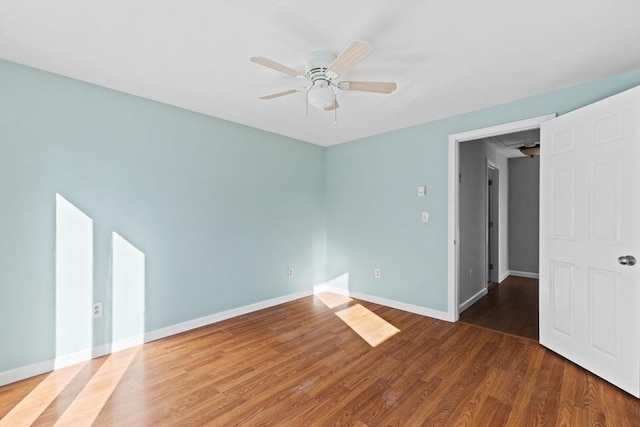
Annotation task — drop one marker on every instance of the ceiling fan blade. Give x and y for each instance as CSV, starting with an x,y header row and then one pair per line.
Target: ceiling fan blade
x,y
276,66
355,52
377,87
279,94
333,107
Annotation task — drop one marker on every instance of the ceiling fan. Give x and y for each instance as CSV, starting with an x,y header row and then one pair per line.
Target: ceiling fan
x,y
322,69
530,149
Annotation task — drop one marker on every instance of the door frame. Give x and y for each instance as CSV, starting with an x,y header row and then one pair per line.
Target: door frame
x,y
453,252
491,213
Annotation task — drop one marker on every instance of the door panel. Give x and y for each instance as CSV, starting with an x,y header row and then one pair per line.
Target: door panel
x,y
563,189
590,215
562,283
606,201
603,289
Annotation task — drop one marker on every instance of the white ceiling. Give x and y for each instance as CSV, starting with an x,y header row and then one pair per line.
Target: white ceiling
x,y
509,144
447,57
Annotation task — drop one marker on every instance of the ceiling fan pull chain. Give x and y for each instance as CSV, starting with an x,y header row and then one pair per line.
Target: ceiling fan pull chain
x,y
335,117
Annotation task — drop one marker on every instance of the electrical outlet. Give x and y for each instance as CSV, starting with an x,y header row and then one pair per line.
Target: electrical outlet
x,y
96,309
290,272
376,273
425,216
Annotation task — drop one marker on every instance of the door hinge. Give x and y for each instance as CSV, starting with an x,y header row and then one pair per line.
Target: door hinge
x,y
460,177
490,224
490,182
490,266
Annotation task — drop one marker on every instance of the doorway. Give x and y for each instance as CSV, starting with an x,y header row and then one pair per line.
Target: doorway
x,y
493,219
455,177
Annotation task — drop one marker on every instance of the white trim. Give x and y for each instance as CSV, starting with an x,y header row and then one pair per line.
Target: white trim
x,y
523,274
453,313
126,343
38,368
218,317
415,309
436,314
490,165
453,248
327,288
503,276
472,300
73,358
28,371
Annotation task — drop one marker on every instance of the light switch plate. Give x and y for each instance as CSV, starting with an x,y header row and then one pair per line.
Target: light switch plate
x,y
422,190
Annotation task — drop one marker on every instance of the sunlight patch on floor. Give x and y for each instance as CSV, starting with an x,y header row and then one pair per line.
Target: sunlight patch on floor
x,y
90,401
372,328
332,300
34,404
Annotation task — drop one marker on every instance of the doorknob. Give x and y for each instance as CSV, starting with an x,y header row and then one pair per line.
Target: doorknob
x,y
627,260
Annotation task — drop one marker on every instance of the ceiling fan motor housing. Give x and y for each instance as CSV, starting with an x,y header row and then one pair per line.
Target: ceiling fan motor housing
x,y
317,64
320,95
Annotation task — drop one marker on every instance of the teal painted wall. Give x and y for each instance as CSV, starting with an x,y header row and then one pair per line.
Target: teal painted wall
x,y
373,211
219,210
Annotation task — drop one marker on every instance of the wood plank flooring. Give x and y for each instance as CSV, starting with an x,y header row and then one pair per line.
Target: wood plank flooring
x,y
299,364
510,307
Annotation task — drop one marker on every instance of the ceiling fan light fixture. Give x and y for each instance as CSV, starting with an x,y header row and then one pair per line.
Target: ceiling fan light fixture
x,y
530,150
321,95
321,70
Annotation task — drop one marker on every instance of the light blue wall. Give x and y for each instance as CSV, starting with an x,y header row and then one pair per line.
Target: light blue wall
x,y
219,210
373,211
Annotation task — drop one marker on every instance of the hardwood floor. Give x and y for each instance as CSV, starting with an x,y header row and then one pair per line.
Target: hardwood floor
x,y
299,364
510,307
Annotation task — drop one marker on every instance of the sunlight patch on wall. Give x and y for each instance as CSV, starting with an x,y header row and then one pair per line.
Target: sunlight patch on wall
x,y
337,285
74,282
371,327
128,294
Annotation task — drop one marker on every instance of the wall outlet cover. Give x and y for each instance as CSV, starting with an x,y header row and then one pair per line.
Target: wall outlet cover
x,y
96,310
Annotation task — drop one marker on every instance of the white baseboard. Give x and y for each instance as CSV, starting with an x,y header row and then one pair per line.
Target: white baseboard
x,y
23,372
327,288
28,371
73,358
218,317
503,276
127,343
415,309
436,314
524,274
471,300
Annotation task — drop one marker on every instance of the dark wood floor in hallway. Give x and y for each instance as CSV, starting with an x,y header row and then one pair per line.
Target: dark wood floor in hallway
x,y
300,364
510,307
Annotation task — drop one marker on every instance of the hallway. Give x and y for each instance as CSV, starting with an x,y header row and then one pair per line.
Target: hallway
x,y
510,307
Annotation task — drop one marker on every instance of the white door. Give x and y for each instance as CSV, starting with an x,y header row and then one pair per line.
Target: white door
x,y
589,218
